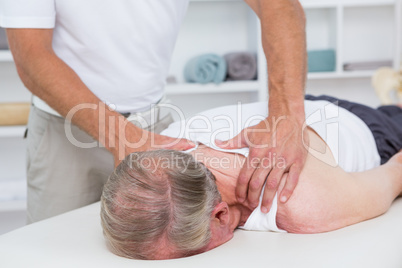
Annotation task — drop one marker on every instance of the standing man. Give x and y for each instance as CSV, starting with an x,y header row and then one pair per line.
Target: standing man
x,y
76,56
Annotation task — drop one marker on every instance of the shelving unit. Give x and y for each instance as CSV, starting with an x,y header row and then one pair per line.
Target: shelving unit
x,y
357,30
331,24
211,27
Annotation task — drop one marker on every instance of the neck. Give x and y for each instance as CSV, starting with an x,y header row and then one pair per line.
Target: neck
x,y
226,179
238,216
238,212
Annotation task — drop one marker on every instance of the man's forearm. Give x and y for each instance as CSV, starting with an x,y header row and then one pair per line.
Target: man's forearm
x,y
284,43
49,78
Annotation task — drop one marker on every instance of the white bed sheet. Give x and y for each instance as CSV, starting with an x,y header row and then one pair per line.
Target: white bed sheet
x,y
75,239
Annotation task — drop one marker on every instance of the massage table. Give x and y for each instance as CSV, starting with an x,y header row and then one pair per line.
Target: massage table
x,y
75,239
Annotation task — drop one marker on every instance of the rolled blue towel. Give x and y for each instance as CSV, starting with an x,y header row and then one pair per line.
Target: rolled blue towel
x,y
206,69
241,66
321,60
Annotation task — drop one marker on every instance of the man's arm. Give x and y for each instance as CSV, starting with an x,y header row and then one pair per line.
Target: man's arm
x,y
284,43
52,80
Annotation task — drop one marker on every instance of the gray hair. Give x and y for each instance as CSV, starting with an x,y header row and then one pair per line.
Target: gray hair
x,y
158,196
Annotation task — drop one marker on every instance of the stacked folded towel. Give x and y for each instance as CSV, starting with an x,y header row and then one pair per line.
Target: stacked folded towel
x,y
3,39
322,60
241,66
206,69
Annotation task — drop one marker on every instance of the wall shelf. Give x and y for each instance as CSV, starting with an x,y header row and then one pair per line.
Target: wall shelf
x,y
329,26
252,86
5,56
340,75
15,205
12,131
226,87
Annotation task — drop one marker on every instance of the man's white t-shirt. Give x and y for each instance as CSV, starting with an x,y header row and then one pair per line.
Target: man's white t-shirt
x,y
120,49
347,136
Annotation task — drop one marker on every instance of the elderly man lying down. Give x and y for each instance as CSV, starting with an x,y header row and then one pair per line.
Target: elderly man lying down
x,y
167,204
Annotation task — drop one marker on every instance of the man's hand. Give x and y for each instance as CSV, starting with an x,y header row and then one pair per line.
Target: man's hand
x,y
276,146
145,141
283,28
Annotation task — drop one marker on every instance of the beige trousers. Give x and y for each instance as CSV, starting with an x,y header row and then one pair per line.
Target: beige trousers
x,y
62,177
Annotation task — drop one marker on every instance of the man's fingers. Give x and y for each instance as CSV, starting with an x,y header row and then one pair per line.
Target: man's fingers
x,y
256,184
237,142
271,186
245,175
291,183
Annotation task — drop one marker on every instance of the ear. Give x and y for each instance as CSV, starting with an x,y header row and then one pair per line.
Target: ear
x,y
221,214
220,226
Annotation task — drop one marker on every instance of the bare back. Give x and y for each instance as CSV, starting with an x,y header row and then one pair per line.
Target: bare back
x,y
326,197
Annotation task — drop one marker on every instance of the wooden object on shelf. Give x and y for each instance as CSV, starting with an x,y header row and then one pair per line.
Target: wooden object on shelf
x,y
14,114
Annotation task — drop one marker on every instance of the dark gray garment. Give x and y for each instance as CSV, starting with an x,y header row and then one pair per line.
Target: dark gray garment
x,y
3,39
384,122
241,66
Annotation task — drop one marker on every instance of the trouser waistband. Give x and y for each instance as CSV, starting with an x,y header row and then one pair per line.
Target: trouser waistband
x,y
151,117
141,119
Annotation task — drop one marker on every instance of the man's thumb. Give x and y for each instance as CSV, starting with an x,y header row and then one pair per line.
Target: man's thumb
x,y
181,145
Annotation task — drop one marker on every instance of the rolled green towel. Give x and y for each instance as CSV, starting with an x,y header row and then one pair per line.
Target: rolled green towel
x,y
321,60
206,69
